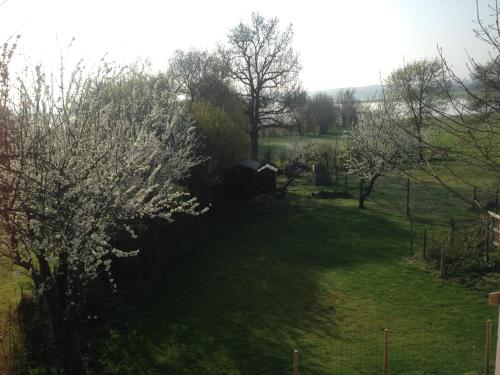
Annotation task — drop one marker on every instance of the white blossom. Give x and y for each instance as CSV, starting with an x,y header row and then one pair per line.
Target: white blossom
x,y
86,159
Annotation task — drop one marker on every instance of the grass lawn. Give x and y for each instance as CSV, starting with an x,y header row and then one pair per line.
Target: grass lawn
x,y
279,144
9,289
320,276
9,295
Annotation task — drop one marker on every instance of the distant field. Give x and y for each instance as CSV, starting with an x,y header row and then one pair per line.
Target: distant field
x,y
279,144
485,182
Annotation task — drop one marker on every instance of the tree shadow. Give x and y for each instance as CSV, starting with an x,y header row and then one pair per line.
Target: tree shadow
x,y
243,297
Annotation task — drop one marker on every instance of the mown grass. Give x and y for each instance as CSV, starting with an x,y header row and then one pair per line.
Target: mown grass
x,y
9,289
10,284
279,144
320,276
431,202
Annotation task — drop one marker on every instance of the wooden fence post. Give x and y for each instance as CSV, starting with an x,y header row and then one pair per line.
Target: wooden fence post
x,y
452,232
424,255
474,197
487,359
494,300
346,182
441,263
361,201
386,352
496,203
487,245
411,236
408,197
295,362
335,162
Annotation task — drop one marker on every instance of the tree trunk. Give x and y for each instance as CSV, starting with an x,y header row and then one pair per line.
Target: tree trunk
x,y
254,144
71,353
65,319
364,195
420,145
420,151
283,189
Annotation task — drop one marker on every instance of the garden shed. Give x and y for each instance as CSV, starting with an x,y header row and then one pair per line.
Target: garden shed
x,y
321,175
241,178
495,227
266,179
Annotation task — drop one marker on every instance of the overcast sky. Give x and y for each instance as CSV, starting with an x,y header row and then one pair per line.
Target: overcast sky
x,y
342,43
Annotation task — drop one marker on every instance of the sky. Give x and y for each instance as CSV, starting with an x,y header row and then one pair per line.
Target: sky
x,y
342,43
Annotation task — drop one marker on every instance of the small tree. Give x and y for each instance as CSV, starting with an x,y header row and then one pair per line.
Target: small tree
x,y
346,99
299,111
414,90
320,113
83,163
200,76
265,70
221,141
219,137
374,148
295,162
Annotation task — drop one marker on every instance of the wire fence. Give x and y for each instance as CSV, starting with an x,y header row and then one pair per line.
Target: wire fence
x,y
404,350
452,236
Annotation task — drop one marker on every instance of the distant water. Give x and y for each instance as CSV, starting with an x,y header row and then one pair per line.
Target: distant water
x,y
447,108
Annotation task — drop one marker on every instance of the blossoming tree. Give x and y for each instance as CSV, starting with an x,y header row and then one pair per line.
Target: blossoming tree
x,y
376,147
85,158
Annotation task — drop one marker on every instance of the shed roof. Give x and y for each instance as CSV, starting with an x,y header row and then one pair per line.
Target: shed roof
x,y
268,166
249,163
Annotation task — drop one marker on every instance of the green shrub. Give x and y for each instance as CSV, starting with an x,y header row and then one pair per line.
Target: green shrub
x,y
466,255
222,142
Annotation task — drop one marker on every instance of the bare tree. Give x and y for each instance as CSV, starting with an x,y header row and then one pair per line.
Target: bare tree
x,y
265,70
347,101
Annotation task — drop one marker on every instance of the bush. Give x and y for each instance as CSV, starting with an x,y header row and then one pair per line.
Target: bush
x,y
465,257
221,140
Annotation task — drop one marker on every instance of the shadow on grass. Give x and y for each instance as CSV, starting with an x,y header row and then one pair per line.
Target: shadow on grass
x,y
244,296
